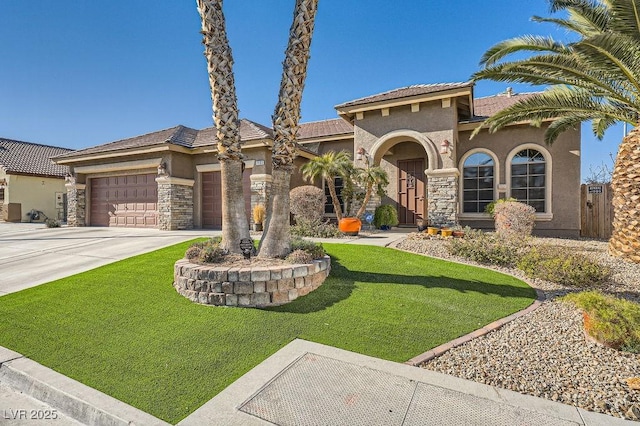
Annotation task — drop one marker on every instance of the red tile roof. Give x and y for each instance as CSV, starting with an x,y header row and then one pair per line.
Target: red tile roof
x,y
30,158
486,107
403,92
324,128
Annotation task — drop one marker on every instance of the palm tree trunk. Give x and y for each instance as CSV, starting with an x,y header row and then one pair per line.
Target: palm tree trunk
x,y
625,183
334,198
225,116
367,196
276,236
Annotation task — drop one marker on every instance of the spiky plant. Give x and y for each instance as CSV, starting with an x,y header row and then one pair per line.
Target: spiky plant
x,y
595,78
276,236
225,116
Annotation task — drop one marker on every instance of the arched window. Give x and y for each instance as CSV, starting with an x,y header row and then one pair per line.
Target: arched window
x,y
529,178
478,174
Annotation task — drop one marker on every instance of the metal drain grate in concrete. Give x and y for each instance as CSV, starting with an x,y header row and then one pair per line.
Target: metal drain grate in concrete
x,y
435,405
316,390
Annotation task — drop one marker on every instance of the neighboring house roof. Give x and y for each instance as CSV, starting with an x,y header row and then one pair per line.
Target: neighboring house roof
x,y
26,158
404,92
324,128
486,107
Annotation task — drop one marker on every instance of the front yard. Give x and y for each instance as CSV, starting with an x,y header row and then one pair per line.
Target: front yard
x,y
124,330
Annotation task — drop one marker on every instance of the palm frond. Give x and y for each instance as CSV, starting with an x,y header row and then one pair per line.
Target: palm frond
x,y
626,17
521,44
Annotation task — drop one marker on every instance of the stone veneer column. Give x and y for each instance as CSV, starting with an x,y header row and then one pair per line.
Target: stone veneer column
x,y
442,193
260,190
76,204
175,203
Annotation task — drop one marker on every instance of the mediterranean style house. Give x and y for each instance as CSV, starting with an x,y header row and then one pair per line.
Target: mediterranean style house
x,y
30,181
420,134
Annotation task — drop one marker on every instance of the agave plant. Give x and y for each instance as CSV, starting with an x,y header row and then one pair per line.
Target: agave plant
x,y
594,78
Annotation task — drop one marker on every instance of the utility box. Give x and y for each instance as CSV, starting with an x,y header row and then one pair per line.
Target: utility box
x,y
13,212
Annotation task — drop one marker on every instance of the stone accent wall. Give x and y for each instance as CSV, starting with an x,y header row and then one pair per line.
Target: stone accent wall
x,y
260,191
76,204
2,212
250,286
175,203
442,190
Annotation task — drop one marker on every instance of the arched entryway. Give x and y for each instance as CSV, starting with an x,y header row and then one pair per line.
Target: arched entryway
x,y
407,156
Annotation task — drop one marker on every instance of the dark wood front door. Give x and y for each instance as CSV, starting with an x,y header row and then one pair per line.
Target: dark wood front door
x,y
411,191
212,198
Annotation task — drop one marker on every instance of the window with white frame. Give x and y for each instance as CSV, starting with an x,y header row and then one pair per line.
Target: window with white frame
x,y
529,178
478,178
328,206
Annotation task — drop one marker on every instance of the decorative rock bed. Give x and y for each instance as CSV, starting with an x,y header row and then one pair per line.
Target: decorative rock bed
x,y
248,286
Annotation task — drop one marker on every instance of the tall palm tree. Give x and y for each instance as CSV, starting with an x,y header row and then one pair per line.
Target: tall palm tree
x,y
329,166
276,237
225,116
596,78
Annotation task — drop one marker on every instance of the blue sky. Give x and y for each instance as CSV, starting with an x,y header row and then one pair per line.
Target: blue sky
x,y
78,73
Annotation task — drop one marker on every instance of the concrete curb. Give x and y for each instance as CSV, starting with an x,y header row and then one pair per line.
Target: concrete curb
x,y
73,399
439,350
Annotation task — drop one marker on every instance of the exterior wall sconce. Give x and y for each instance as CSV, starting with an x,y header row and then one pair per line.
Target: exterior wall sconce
x,y
69,178
363,155
3,183
162,169
445,147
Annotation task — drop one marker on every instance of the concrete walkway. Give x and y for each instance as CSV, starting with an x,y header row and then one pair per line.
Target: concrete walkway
x,y
303,383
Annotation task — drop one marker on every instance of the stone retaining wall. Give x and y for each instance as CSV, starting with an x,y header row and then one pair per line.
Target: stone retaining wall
x,y
248,286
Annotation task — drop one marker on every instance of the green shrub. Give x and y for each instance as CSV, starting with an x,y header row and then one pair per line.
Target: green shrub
x,y
385,215
314,249
307,203
562,266
314,229
52,223
486,248
513,219
613,321
209,251
491,206
299,256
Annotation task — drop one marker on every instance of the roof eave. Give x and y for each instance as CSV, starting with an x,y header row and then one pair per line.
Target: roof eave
x,y
348,112
120,153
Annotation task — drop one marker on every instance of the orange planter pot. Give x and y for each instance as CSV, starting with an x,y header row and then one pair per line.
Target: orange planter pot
x,y
350,225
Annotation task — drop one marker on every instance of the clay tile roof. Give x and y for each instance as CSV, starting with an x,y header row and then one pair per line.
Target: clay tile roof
x,y
403,92
319,129
30,158
484,108
178,135
249,130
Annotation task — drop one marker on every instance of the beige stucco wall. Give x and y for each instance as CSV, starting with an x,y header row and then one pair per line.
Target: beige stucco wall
x,y
433,123
565,172
31,192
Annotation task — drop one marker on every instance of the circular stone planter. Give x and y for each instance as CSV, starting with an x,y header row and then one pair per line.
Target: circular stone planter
x,y
257,286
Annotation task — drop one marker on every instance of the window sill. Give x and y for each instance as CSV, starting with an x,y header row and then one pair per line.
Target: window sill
x,y
540,217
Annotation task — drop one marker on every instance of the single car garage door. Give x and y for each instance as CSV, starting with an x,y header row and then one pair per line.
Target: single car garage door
x,y
212,198
125,201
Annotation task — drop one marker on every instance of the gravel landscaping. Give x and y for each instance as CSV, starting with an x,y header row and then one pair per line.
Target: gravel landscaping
x,y
545,353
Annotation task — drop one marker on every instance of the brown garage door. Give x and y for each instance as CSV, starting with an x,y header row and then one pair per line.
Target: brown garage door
x,y
212,198
125,201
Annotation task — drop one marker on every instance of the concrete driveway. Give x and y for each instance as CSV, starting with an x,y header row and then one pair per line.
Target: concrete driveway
x,y
32,254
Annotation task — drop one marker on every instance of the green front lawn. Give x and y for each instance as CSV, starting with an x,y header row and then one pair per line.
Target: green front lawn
x,y
124,330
